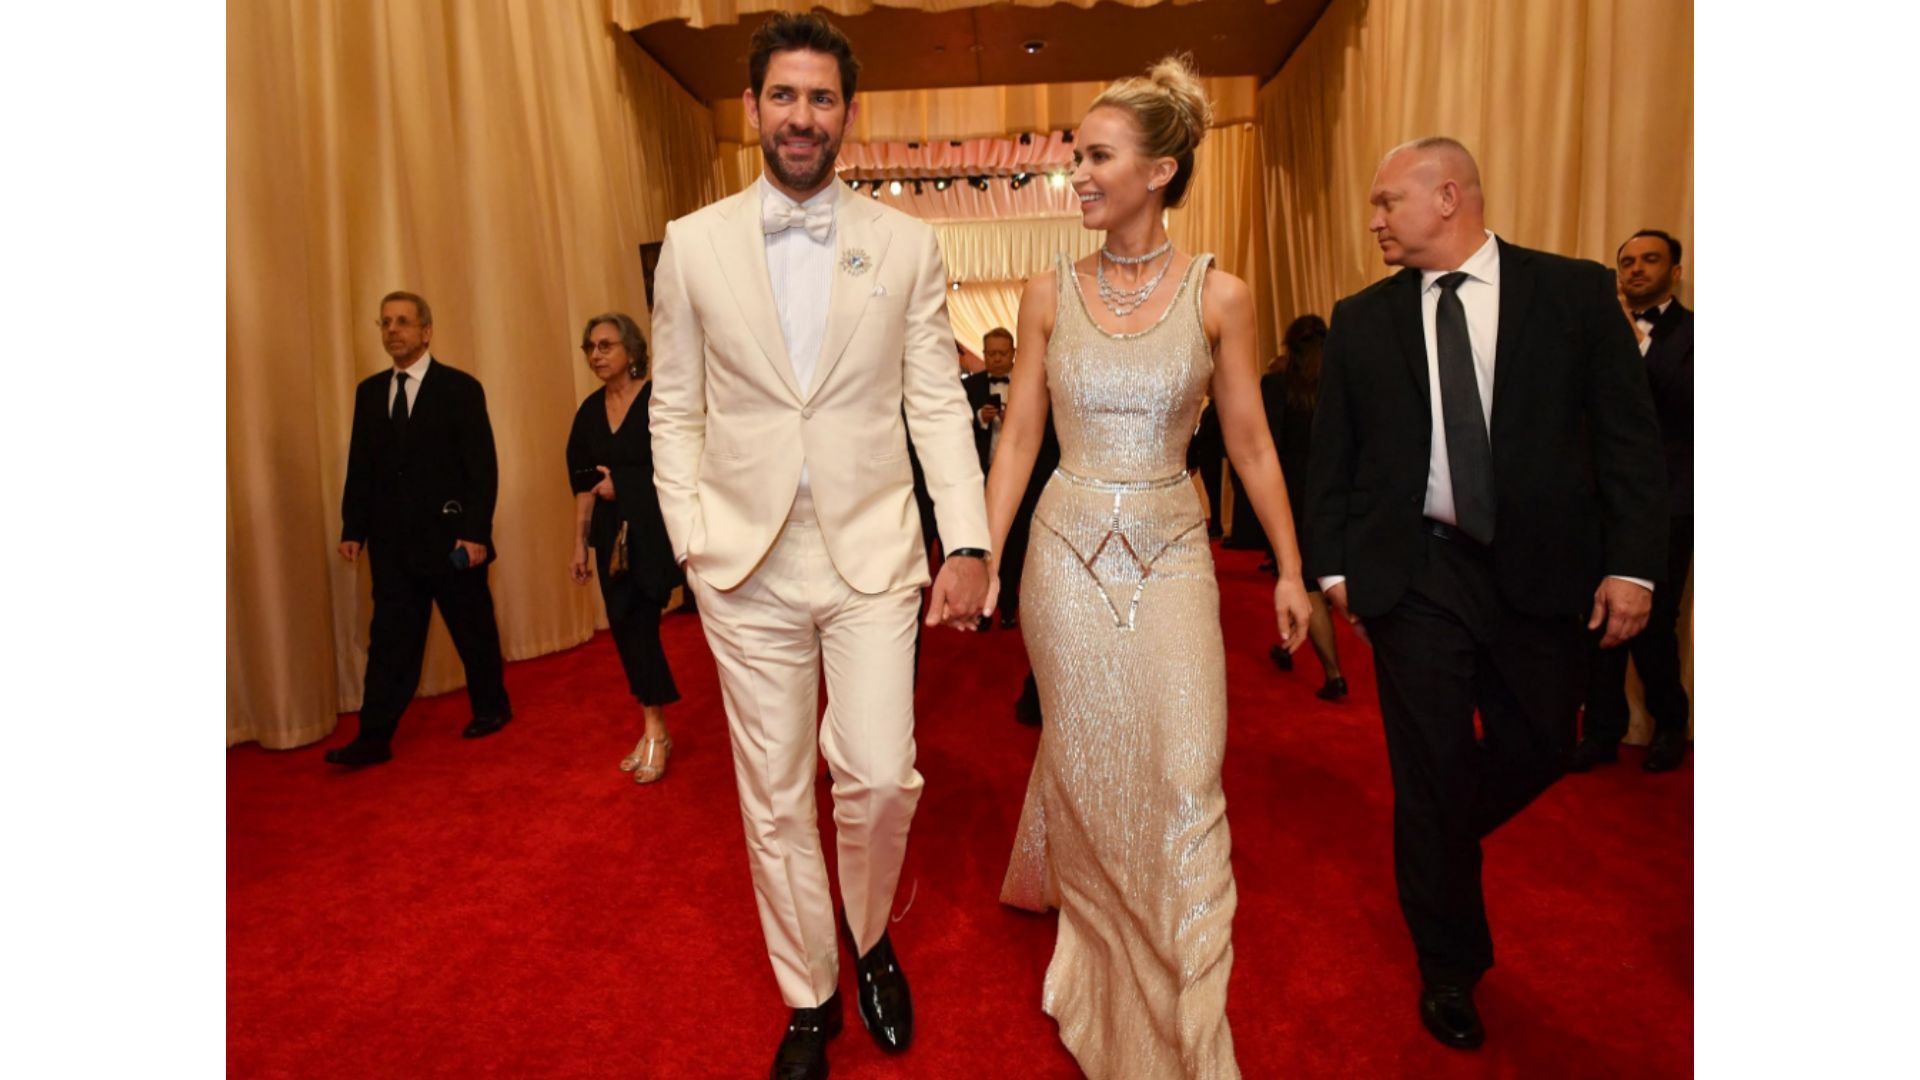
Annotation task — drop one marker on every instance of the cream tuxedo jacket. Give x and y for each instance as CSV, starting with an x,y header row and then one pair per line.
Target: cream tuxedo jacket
x,y
731,427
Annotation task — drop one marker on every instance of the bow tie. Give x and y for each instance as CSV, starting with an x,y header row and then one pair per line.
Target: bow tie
x,y
1649,316
992,379
777,217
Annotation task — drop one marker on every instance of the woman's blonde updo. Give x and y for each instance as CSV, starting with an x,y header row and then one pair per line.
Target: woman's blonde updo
x,y
1169,106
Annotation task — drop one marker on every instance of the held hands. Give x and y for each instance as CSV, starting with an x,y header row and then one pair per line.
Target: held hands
x,y
1623,607
580,569
959,593
1291,605
350,550
604,489
1337,596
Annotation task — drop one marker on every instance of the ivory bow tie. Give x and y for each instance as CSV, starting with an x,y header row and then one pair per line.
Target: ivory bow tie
x,y
778,217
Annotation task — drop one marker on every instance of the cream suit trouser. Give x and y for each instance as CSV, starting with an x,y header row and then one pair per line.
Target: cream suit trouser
x,y
769,636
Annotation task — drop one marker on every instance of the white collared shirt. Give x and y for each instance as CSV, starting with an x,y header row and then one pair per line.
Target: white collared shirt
x,y
1480,296
800,269
1646,325
414,374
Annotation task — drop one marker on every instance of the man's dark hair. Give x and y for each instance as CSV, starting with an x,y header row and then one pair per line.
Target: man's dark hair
x,y
785,31
998,331
1673,246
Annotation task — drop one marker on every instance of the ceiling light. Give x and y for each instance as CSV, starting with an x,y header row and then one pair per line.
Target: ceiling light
x,y
1033,46
893,188
1058,179
943,183
854,184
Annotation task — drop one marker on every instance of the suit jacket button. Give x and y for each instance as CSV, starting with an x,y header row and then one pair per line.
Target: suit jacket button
x,y
806,414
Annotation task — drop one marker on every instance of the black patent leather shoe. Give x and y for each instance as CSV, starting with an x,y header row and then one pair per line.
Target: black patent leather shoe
x,y
1334,690
886,1006
360,752
1449,1016
1666,752
1593,752
482,726
803,1051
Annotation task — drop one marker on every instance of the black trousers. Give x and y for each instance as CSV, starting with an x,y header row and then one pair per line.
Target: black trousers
x,y
1655,652
402,610
1451,646
634,619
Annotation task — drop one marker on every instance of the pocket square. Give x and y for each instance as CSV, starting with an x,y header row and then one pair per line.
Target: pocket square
x,y
879,290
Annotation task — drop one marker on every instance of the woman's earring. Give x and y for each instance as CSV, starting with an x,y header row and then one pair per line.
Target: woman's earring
x,y
635,371
1151,185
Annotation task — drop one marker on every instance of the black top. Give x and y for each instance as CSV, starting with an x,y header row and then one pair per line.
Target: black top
x,y
413,500
628,455
1579,485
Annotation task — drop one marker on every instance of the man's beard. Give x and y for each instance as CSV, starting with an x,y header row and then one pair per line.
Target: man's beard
x,y
829,153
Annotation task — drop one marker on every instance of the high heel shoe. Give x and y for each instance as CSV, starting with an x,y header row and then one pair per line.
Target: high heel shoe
x,y
1334,690
649,759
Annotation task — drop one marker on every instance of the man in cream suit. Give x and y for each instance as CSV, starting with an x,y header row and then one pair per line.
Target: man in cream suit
x,y
795,325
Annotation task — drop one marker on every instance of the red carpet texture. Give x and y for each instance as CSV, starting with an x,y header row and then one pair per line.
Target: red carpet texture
x,y
516,906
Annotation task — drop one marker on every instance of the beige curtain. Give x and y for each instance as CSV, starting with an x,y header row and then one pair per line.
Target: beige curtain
x,y
634,14
503,160
986,112
1581,116
977,308
1225,213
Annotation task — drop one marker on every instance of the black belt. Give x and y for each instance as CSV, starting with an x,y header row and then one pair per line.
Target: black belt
x,y
1452,535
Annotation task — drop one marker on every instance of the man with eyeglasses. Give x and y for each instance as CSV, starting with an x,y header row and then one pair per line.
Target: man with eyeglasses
x,y
421,483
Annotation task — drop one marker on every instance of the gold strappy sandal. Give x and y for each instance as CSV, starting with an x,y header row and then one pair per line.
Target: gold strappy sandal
x,y
648,762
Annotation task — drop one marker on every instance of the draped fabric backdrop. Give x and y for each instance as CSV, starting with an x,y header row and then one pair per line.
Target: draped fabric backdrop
x,y
505,161
1580,115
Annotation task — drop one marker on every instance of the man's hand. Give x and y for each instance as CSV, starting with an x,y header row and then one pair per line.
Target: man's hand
x,y
350,550
989,414
476,553
604,489
1290,603
959,593
1623,607
1337,596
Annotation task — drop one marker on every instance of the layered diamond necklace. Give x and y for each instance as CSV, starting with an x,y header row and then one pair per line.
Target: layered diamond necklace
x,y
1124,301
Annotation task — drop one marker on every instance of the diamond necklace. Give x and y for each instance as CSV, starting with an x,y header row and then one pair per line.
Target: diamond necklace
x,y
1122,301
1135,260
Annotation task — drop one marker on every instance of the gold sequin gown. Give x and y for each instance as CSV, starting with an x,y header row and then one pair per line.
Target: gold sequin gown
x,y
1124,827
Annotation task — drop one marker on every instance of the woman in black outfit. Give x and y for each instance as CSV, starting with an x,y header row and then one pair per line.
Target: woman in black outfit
x,y
610,455
1290,399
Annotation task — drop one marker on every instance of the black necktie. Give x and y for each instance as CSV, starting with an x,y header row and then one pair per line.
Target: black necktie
x,y
399,413
1469,457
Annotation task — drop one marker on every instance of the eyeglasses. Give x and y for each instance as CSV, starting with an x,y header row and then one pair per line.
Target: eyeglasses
x,y
592,347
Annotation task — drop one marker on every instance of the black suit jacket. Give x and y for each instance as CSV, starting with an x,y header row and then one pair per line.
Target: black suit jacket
x,y
1670,376
1578,482
415,500
979,388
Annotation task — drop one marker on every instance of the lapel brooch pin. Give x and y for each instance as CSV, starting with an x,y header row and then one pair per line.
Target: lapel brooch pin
x,y
855,261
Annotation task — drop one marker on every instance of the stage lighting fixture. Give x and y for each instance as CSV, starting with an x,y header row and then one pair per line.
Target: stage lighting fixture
x,y
1058,179
1026,138
955,286
875,188
918,188
979,183
894,188
1033,46
854,184
942,184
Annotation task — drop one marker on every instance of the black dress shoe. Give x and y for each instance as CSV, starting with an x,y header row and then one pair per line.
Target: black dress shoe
x,y
886,1007
482,726
1334,690
360,752
803,1051
1281,658
1593,752
1449,1015
1667,752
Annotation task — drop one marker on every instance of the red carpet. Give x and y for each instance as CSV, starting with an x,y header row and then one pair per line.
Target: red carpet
x,y
514,906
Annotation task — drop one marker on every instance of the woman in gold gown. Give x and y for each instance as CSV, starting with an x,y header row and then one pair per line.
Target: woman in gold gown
x,y
1124,827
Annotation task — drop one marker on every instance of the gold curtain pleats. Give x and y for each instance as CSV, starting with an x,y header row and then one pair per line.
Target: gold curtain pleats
x,y
506,162
634,14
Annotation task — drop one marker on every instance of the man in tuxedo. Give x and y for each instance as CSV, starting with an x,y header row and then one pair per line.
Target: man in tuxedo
x,y
421,482
800,332
988,399
1485,490
987,392
1649,270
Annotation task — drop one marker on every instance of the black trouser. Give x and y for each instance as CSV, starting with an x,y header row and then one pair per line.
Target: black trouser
x,y
1655,652
402,610
1450,646
634,620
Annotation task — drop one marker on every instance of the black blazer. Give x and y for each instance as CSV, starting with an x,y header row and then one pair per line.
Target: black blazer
x,y
979,388
628,455
1670,376
1579,488
416,500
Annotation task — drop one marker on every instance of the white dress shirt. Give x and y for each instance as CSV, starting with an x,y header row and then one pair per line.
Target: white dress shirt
x,y
1480,298
414,374
1646,326
800,269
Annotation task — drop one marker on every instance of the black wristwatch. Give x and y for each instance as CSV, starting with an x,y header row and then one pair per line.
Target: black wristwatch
x,y
967,553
